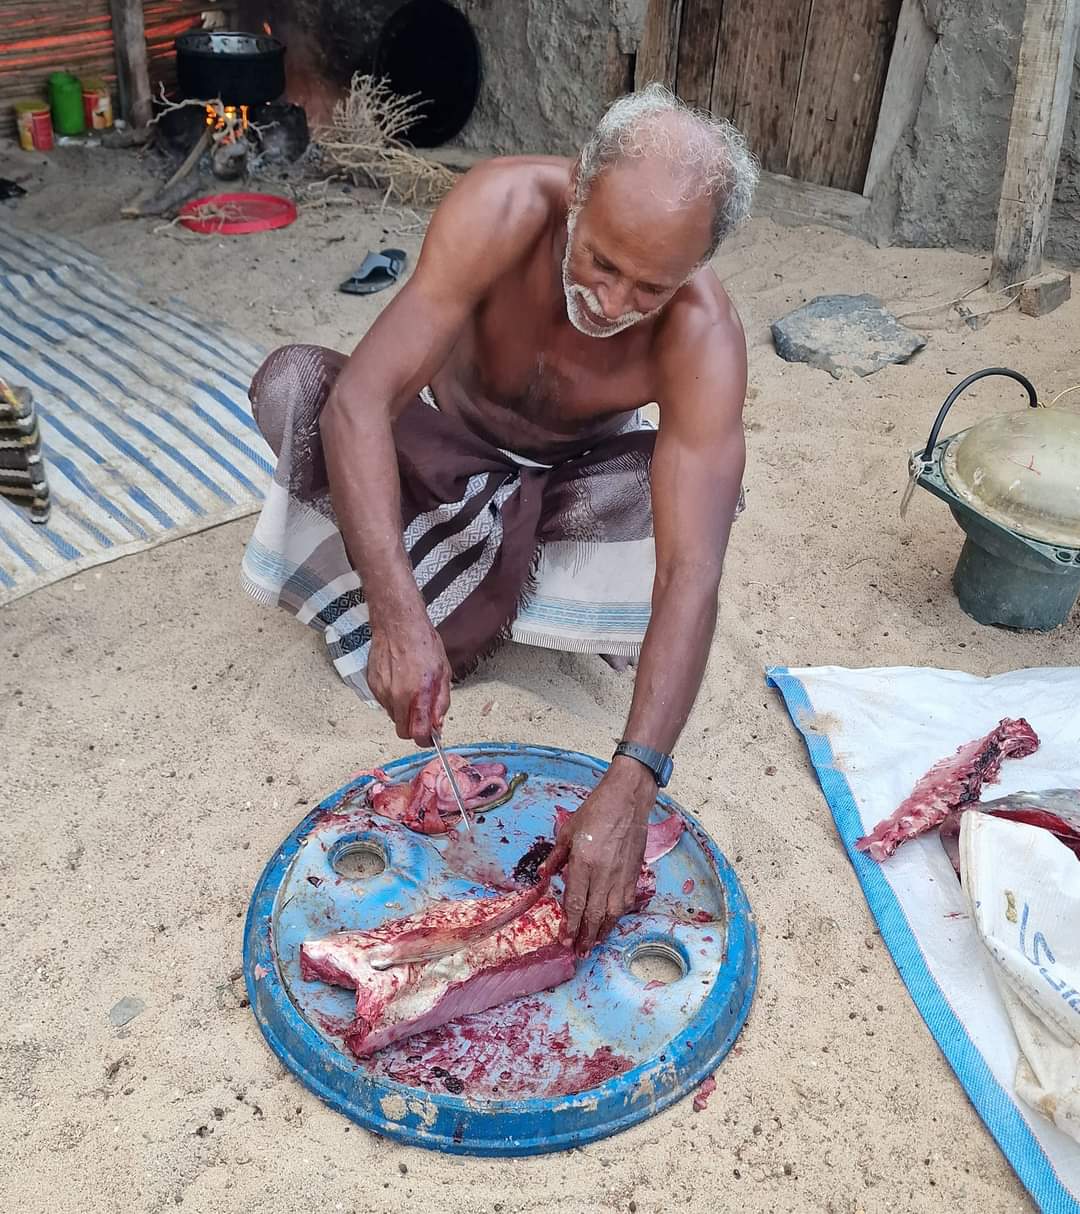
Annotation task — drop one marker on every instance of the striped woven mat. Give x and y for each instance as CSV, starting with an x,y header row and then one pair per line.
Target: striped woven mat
x,y
146,430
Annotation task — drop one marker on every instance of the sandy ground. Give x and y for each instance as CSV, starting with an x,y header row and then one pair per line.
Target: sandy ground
x,y
162,734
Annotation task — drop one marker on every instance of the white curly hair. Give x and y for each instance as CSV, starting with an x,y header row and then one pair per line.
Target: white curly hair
x,y
709,156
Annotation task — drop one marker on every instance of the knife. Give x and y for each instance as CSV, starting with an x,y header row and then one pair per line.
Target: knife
x,y
450,777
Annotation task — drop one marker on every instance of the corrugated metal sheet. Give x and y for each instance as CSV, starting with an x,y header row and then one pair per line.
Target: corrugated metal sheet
x,y
42,36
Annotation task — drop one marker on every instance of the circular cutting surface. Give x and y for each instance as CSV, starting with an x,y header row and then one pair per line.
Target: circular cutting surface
x,y
1022,471
647,1016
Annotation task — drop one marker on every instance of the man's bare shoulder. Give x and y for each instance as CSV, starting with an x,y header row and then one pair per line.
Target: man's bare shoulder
x,y
700,333
504,203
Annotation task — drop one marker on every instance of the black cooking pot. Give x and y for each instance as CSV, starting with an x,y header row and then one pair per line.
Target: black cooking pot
x,y
241,69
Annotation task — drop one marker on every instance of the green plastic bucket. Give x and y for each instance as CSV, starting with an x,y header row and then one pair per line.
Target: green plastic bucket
x,y
66,102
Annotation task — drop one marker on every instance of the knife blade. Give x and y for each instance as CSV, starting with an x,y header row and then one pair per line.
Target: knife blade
x,y
450,777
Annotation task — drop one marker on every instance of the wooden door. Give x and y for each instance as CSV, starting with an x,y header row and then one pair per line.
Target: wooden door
x,y
801,78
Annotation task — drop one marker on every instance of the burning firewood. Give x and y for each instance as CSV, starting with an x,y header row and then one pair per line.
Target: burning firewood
x,y
226,138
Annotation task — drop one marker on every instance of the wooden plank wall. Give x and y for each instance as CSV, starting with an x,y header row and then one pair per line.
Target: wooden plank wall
x,y
76,35
840,87
803,79
756,79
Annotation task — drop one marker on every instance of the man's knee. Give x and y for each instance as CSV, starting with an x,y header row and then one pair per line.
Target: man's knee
x,y
290,389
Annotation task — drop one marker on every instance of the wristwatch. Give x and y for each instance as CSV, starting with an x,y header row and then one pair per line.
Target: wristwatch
x,y
660,764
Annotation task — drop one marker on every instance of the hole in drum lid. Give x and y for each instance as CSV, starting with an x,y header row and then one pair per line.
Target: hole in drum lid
x,y
655,961
359,860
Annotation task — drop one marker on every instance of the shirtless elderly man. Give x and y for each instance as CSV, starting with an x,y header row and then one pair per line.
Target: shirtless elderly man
x,y
478,469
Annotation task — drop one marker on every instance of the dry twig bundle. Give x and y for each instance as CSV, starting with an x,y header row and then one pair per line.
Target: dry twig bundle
x,y
364,141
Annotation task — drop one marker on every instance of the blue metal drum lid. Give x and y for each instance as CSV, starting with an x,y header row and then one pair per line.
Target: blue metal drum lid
x,y
665,1038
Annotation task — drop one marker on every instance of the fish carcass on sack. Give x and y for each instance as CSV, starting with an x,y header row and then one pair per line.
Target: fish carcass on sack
x,y
950,783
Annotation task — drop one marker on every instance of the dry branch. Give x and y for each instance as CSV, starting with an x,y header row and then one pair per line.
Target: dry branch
x,y
364,143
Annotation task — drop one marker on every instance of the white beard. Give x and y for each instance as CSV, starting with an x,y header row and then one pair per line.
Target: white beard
x,y
578,296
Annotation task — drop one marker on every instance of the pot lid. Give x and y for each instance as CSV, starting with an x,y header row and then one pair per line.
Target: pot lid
x,y
1021,470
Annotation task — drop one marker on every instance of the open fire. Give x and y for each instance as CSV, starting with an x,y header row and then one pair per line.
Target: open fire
x,y
231,120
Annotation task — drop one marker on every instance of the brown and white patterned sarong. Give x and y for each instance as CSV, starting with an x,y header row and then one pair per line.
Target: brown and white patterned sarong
x,y
501,547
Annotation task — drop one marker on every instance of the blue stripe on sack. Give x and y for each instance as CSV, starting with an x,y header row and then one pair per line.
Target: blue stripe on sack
x,y
263,464
48,247
73,515
109,377
993,1104
139,496
18,249
129,312
71,470
193,329
168,322
126,335
63,547
241,414
166,448
6,580
119,442
20,552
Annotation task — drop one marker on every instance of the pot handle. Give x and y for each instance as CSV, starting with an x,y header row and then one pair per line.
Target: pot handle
x,y
1033,400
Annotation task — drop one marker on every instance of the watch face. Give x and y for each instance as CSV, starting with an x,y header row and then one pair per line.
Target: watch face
x,y
666,768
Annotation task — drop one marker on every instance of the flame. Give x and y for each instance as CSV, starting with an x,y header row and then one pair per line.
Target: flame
x,y
234,123
266,28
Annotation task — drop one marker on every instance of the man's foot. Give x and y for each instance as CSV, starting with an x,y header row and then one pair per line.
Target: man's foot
x,y
618,663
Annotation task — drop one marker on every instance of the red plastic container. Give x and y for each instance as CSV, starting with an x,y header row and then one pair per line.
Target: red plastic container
x,y
246,213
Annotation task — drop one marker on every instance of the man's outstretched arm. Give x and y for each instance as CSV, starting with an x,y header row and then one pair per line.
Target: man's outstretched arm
x,y
474,237
696,478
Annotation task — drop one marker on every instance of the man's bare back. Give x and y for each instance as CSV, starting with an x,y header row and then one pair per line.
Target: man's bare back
x,y
519,373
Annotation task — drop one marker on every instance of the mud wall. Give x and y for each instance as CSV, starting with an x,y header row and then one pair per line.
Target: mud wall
x,y
947,173
550,69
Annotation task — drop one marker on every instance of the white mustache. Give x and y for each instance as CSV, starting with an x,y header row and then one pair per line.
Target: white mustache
x,y
591,298
576,295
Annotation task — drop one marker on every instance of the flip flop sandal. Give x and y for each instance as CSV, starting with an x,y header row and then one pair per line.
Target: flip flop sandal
x,y
378,271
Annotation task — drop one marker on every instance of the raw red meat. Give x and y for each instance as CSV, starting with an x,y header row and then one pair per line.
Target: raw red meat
x,y
426,804
950,783
705,1090
447,927
520,958
1056,810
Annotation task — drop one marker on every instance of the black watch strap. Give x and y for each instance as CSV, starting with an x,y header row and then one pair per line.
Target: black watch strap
x,y
660,764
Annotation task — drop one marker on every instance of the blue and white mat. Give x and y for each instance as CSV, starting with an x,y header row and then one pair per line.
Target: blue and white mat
x,y
146,429
871,734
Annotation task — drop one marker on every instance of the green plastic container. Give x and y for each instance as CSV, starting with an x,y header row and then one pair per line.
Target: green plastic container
x,y
66,103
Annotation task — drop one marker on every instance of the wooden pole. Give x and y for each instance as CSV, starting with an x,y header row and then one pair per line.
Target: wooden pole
x,y
129,38
658,53
1043,85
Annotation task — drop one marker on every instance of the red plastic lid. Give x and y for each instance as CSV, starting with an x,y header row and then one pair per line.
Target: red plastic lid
x,y
243,213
